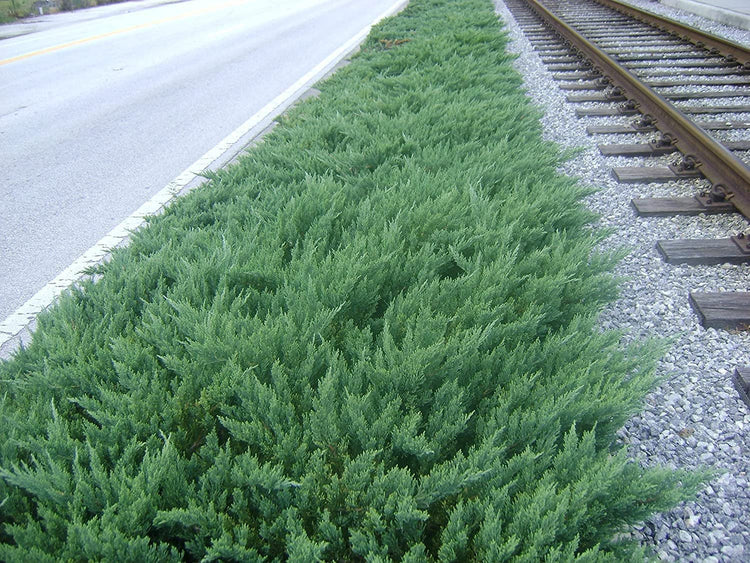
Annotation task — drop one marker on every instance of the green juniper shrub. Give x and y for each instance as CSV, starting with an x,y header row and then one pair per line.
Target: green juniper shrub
x,y
373,339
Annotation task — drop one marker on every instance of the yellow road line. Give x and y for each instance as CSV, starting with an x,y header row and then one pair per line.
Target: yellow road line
x,y
121,31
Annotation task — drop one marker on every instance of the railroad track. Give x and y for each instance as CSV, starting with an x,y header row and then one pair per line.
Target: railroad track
x,y
687,96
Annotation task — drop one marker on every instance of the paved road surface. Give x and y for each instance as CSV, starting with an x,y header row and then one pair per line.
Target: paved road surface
x,y
98,115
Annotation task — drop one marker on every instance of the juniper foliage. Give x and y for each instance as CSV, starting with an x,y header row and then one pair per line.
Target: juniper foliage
x,y
373,339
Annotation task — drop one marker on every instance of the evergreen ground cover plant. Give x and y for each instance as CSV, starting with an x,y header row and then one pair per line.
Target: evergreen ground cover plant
x,y
373,339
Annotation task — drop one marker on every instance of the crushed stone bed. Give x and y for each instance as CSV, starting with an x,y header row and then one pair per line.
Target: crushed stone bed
x,y
695,418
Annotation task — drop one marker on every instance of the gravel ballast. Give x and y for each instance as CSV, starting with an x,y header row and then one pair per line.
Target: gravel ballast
x,y
695,418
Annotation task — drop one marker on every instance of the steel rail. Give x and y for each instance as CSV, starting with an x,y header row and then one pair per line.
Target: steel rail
x,y
733,52
729,176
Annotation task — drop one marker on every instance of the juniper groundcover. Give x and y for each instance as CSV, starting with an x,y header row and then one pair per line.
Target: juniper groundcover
x,y
373,339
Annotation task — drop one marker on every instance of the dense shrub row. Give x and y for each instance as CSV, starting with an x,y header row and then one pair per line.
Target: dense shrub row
x,y
372,339
11,10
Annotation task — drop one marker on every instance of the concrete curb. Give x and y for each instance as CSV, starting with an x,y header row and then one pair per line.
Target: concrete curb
x,y
717,13
36,23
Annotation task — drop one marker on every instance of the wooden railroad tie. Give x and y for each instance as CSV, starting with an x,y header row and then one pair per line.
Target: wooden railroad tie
x,y
630,128
722,310
707,252
669,206
656,149
648,174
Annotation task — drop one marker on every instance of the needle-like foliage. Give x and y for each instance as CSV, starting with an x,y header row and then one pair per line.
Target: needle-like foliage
x,y
373,339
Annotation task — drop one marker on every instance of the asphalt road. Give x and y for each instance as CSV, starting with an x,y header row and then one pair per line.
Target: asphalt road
x,y
99,113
